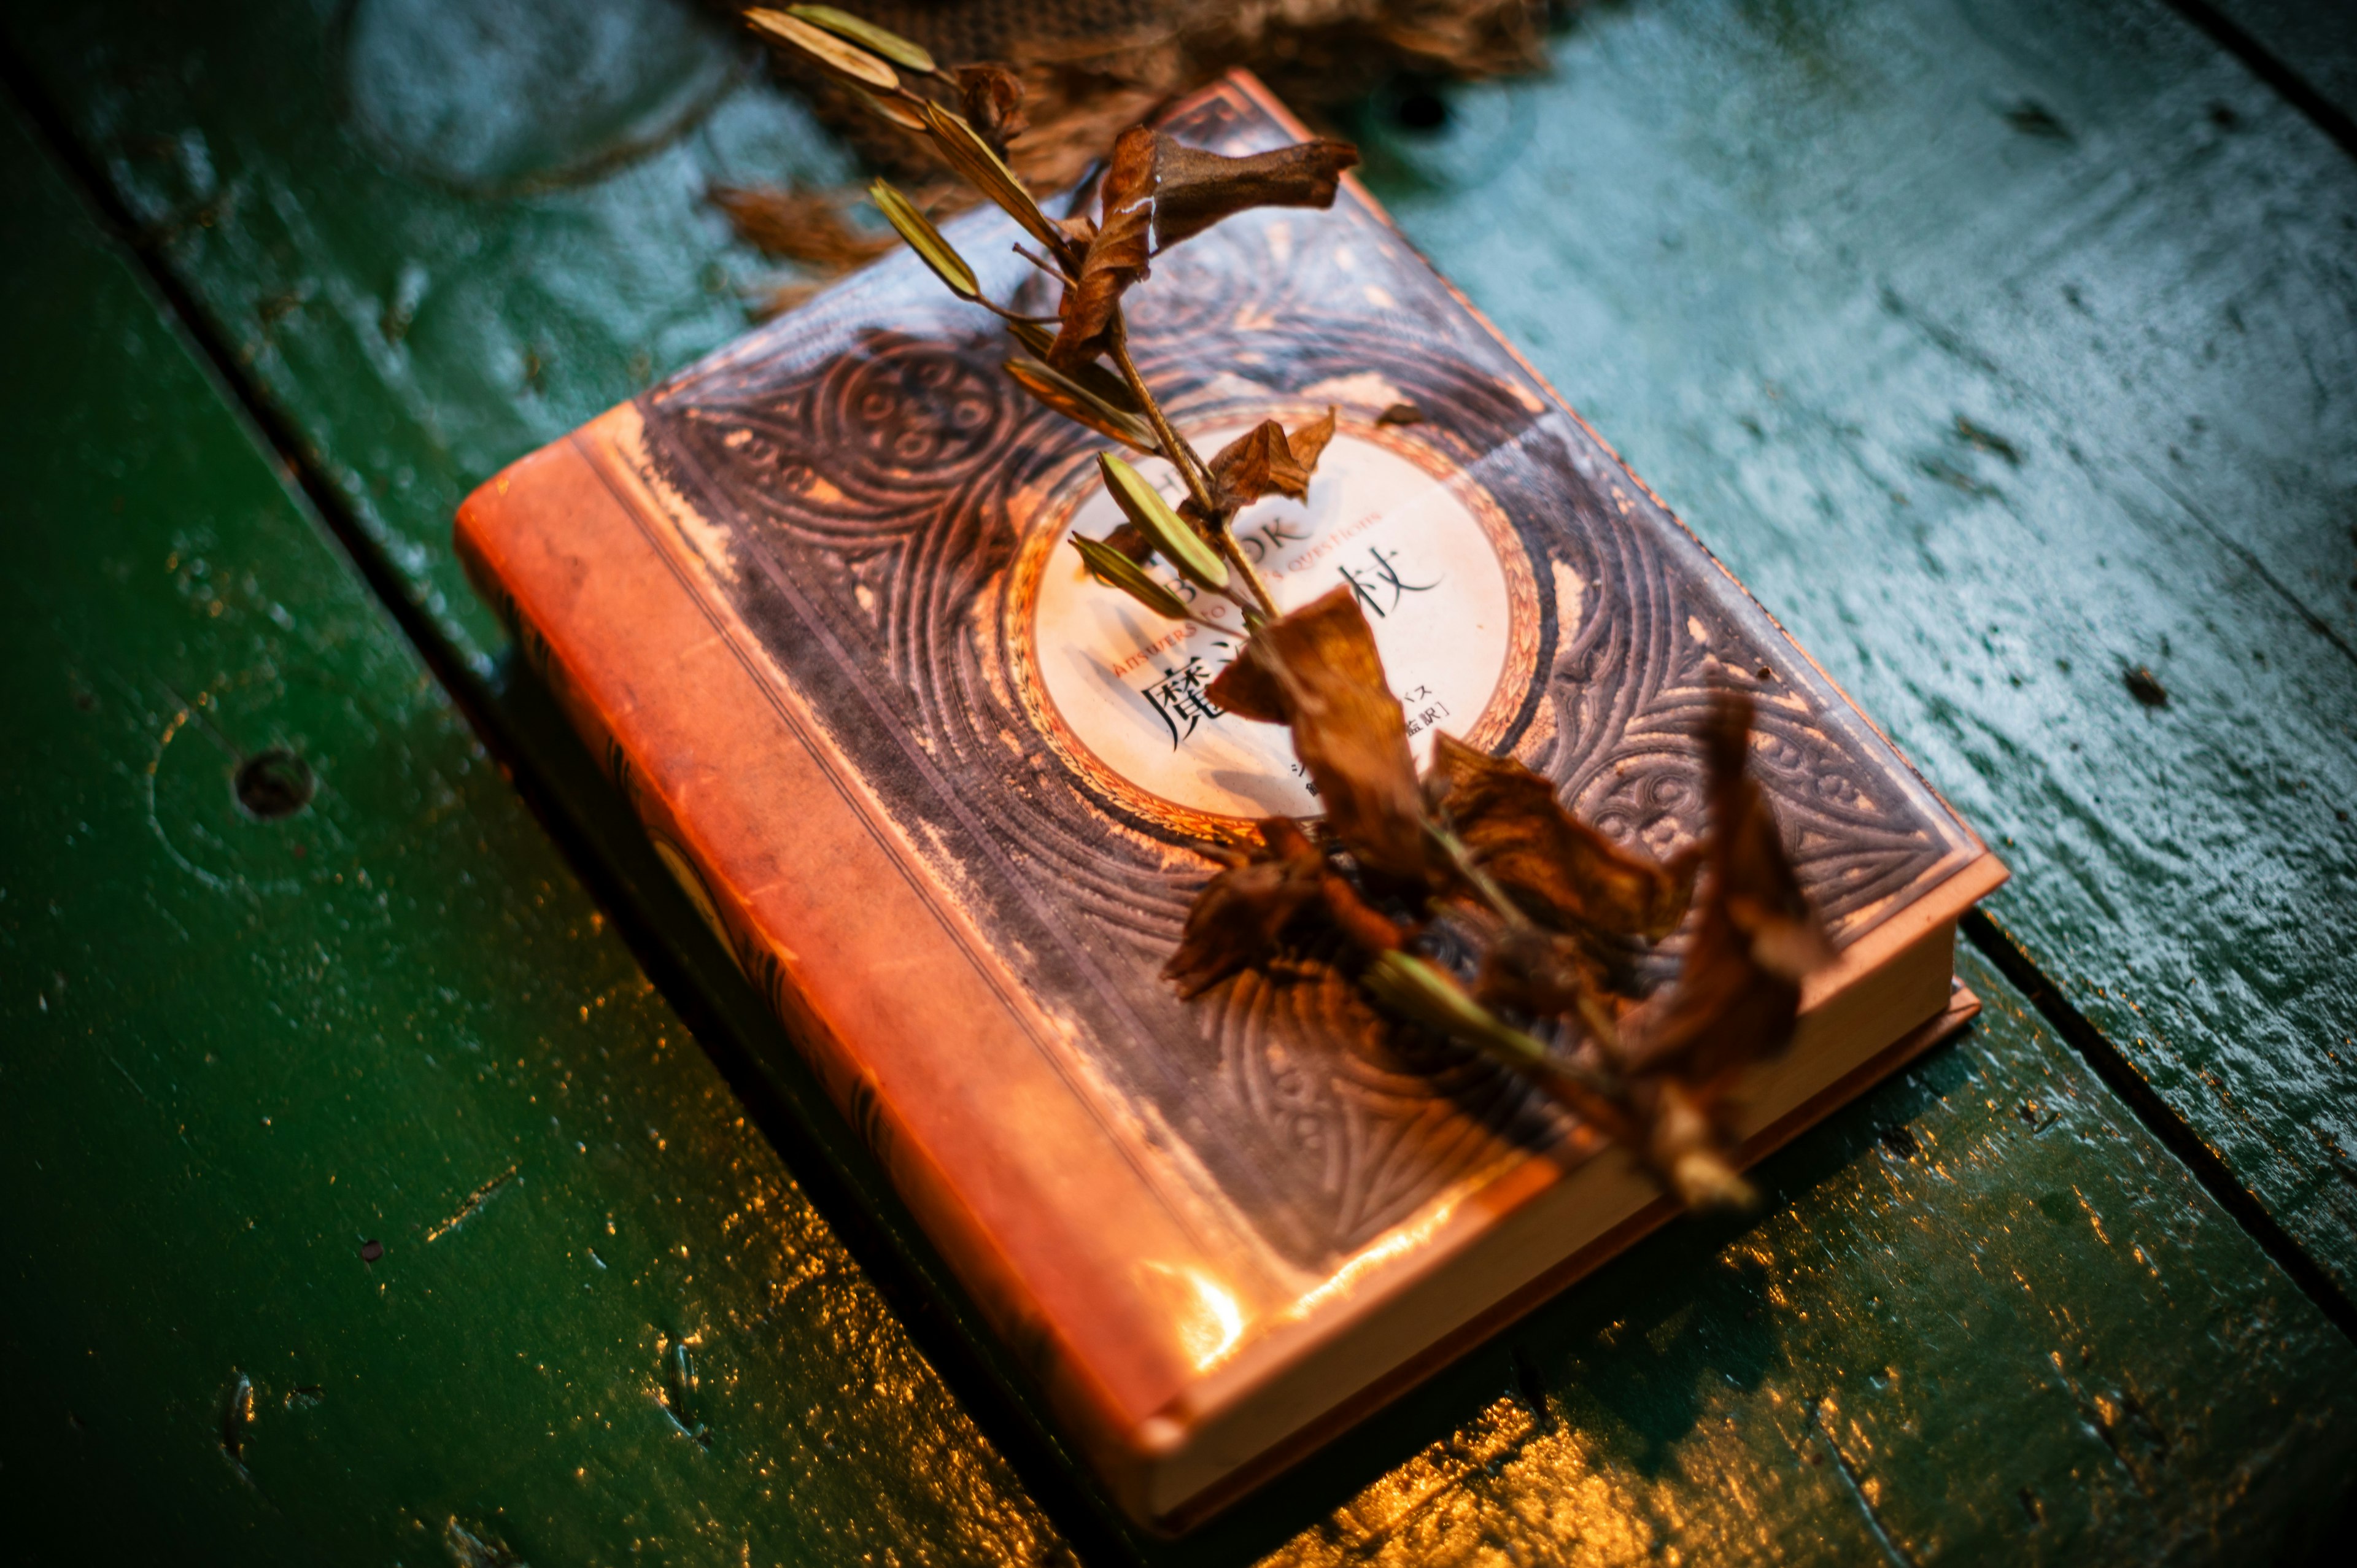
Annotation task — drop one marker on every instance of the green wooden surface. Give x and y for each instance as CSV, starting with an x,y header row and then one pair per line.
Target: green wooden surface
x,y
1982,1311
238,1050
2308,37
2002,348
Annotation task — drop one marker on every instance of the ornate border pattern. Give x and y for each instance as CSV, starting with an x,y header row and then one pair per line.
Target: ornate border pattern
x,y
873,478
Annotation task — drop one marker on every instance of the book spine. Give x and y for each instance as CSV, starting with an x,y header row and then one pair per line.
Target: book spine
x,y
753,956
997,1286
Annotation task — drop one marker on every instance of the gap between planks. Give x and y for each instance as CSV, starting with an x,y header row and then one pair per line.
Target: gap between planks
x,y
2161,1118
2284,82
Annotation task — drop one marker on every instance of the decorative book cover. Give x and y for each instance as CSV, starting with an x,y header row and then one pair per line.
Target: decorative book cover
x,y
941,794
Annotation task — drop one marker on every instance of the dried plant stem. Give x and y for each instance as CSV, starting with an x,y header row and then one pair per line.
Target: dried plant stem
x,y
1182,456
1043,264
1234,553
1478,879
1198,479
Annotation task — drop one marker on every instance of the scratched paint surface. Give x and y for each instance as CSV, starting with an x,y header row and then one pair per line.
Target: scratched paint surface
x,y
361,1107
1970,1263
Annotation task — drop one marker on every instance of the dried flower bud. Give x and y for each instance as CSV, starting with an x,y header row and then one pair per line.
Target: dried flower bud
x,y
1174,538
1080,402
991,97
875,41
918,230
979,165
1115,570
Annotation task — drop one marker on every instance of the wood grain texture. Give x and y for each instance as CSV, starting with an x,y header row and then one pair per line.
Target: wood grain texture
x,y
2003,351
1572,1440
242,1056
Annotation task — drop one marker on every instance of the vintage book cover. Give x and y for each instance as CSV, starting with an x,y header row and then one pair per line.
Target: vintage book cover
x,y
941,794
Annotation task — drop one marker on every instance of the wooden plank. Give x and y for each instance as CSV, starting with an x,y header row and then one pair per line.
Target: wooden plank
x,y
1981,1320
2004,350
1983,1311
398,249
1624,1448
243,1056
2314,40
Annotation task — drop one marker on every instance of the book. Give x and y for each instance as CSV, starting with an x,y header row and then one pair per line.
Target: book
x,y
943,799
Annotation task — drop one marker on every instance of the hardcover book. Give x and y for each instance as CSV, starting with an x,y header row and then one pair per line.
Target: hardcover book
x,y
944,800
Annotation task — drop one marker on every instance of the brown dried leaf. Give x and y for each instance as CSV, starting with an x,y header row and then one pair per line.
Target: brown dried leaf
x,y
1738,994
1317,670
1401,414
1158,192
1077,401
1685,1143
1259,463
805,226
1265,461
1367,928
1308,442
1556,868
992,96
1537,971
1240,915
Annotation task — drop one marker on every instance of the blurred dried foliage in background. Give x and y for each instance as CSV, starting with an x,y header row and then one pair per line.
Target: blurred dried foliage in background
x,y
1090,69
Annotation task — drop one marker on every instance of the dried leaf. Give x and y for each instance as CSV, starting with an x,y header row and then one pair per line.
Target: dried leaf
x,y
838,57
1401,414
1682,1144
890,109
1538,972
1265,461
980,166
1310,440
1102,384
1317,670
991,97
925,240
1368,929
867,34
1158,192
1738,994
1255,464
805,226
1115,570
1240,915
1556,868
1174,538
1069,397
